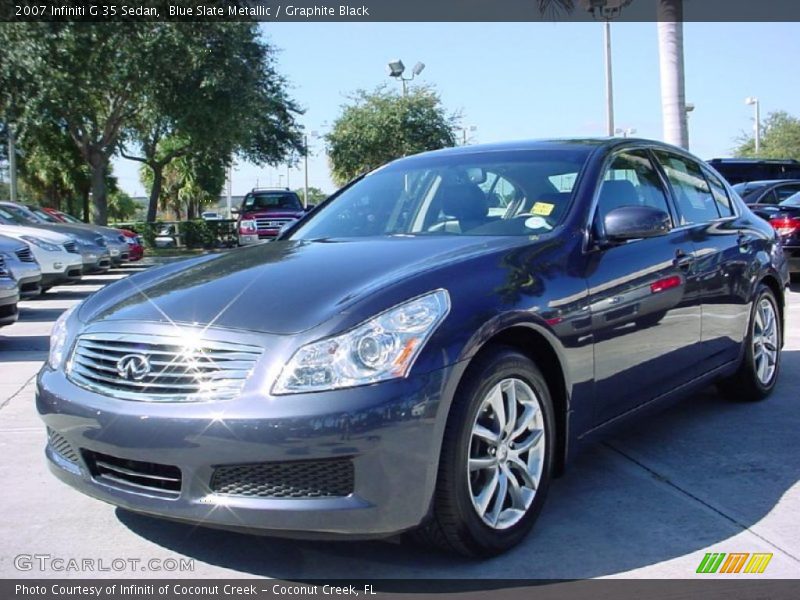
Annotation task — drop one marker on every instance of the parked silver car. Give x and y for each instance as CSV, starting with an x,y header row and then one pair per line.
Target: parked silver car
x,y
85,234
22,264
9,296
92,248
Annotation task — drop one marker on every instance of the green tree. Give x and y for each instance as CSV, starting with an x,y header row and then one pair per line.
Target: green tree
x,y
780,138
105,84
381,126
227,96
315,195
121,206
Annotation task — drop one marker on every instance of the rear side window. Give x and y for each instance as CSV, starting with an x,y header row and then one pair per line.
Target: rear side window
x,y
693,196
720,194
786,191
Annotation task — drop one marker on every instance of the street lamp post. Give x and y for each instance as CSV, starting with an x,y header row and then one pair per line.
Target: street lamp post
x,y
609,81
465,131
753,101
626,132
396,68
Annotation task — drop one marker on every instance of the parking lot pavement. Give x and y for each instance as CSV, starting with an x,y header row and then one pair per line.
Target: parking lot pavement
x,y
707,475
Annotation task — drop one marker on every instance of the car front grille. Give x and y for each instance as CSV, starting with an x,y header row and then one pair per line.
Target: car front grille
x,y
3,269
61,446
25,255
267,223
161,479
293,480
71,247
152,368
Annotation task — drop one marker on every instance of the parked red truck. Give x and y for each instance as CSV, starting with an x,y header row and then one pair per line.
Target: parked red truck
x,y
265,211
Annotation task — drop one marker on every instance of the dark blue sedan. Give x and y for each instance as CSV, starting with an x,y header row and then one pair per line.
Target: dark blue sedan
x,y
424,351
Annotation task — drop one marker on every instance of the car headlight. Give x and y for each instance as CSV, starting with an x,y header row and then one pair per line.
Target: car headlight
x,y
58,339
384,347
248,227
43,244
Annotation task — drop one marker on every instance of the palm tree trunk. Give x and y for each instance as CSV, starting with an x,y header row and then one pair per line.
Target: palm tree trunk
x,y
673,94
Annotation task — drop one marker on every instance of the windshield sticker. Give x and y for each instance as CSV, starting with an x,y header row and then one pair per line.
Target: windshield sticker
x,y
542,208
537,223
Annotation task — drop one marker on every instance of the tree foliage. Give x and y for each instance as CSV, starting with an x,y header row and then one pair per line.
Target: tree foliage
x,y
780,138
226,99
108,85
315,195
381,126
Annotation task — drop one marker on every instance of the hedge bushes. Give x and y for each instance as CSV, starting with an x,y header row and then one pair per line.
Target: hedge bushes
x,y
191,234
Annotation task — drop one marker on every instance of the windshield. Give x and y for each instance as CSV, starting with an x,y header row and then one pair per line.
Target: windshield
x,y
748,191
7,218
286,200
47,218
23,214
70,219
489,193
793,200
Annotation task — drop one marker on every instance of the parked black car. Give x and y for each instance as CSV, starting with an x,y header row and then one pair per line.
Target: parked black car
x,y
739,170
770,191
425,350
785,219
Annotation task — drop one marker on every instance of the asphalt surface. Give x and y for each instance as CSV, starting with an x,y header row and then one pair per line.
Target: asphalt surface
x,y
707,475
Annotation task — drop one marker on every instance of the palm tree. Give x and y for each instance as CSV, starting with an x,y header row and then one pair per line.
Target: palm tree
x,y
670,52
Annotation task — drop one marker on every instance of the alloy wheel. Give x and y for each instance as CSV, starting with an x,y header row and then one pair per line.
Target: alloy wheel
x,y
506,453
765,341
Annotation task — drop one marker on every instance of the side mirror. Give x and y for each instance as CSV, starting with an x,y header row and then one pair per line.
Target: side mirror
x,y
235,211
635,222
310,207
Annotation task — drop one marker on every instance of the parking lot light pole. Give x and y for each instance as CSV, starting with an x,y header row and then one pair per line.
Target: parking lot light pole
x,y
609,81
396,68
753,101
12,162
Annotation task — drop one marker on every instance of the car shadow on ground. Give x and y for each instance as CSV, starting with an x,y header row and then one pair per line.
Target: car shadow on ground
x,y
24,343
692,476
34,314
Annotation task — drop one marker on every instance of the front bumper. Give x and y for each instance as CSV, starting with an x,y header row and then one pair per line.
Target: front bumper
x,y
390,432
9,297
95,259
29,278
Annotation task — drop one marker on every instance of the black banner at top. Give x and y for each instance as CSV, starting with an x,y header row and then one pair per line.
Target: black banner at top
x,y
400,10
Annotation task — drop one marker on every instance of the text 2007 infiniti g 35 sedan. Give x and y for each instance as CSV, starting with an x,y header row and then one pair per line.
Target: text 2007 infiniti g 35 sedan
x,y
424,351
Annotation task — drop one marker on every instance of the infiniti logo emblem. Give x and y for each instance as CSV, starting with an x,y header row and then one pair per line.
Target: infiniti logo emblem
x,y
134,367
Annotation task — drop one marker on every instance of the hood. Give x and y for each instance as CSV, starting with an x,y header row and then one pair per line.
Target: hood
x,y
277,213
10,244
17,231
282,287
73,231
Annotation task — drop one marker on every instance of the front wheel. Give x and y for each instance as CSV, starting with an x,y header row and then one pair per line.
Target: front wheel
x,y
756,377
497,457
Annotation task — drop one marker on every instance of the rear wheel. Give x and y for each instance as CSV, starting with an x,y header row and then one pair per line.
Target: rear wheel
x,y
496,458
755,379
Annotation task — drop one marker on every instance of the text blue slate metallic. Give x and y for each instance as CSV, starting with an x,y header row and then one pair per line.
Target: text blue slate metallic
x,y
424,351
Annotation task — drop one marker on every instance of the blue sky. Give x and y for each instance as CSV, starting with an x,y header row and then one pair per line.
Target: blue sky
x,y
530,80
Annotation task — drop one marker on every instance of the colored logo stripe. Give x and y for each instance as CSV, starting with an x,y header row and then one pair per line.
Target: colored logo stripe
x,y
758,563
735,561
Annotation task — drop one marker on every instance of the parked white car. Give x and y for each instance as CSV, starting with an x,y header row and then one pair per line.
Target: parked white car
x,y
21,262
58,255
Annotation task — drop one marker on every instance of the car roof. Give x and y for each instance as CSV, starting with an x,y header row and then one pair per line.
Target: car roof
x,y
553,144
770,181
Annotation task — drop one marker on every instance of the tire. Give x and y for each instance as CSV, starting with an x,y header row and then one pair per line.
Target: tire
x,y
457,524
752,381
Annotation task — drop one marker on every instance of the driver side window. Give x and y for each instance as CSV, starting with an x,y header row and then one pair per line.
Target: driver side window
x,y
631,180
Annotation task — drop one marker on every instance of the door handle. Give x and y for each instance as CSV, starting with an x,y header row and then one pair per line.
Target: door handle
x,y
682,260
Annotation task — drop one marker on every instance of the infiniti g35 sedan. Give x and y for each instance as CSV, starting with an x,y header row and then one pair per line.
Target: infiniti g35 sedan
x,y
422,353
